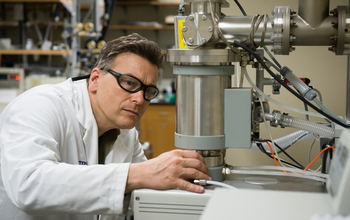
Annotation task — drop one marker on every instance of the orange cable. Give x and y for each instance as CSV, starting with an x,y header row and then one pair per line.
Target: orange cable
x,y
319,156
273,155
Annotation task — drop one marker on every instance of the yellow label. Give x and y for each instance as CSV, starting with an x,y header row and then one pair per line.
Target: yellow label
x,y
182,44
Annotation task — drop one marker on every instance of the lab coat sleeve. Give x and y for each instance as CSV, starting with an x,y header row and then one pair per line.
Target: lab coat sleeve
x,y
138,155
37,181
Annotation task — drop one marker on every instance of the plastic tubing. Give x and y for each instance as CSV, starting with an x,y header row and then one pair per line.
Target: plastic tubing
x,y
287,140
313,127
330,113
293,170
272,173
244,70
210,182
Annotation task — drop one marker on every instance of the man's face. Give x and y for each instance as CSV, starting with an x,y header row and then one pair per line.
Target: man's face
x,y
114,107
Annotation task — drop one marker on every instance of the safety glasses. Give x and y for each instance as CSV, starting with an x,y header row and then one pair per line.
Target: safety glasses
x,y
132,84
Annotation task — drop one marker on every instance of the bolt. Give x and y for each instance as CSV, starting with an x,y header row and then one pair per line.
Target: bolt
x,y
334,12
184,29
272,23
334,37
204,17
203,40
292,38
190,40
291,49
191,17
137,198
273,12
334,23
210,29
293,12
331,49
292,22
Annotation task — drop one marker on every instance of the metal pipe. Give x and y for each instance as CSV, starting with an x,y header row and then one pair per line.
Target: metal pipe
x,y
306,36
238,28
313,11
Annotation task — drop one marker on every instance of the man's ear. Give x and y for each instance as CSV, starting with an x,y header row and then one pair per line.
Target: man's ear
x,y
94,79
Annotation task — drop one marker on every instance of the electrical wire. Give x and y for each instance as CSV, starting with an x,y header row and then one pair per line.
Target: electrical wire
x,y
273,155
261,61
265,48
259,145
330,147
276,102
312,145
268,131
283,151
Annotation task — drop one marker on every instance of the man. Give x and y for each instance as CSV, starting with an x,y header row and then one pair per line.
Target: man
x,y
53,138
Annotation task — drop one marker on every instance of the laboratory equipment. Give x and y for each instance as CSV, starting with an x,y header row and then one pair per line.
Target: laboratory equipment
x,y
11,85
211,115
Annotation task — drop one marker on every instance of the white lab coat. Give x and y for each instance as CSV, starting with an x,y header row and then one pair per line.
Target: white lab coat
x,y
49,158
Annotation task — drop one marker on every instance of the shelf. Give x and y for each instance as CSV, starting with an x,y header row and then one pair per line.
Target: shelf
x,y
137,27
33,52
148,3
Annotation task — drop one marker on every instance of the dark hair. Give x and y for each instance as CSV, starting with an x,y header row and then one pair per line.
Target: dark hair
x,y
132,43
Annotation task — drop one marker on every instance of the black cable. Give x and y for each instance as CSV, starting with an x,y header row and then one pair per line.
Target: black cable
x,y
262,149
265,48
261,61
325,154
283,151
240,7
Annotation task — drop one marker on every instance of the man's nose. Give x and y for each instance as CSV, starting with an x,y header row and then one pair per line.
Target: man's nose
x,y
138,97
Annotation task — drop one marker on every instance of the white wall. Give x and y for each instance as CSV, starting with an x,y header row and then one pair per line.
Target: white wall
x,y
326,71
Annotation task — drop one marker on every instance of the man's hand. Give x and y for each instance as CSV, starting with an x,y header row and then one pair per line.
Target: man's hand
x,y
167,172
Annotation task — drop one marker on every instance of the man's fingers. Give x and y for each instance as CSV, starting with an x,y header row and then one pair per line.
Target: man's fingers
x,y
193,163
185,185
192,154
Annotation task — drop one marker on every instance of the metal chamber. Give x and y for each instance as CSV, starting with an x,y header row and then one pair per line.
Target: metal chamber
x,y
200,104
313,11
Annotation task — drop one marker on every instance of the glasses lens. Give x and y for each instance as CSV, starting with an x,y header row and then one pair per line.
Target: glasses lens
x,y
151,93
129,83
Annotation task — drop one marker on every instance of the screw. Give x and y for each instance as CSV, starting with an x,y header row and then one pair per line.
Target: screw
x,y
291,49
292,38
210,29
334,37
292,22
137,198
204,17
190,40
184,29
334,23
331,49
293,12
203,40
191,17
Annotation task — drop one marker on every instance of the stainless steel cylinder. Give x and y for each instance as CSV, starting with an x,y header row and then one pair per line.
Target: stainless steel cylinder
x,y
200,104
303,35
313,11
238,28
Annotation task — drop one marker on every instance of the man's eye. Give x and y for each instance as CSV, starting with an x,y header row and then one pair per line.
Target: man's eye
x,y
130,83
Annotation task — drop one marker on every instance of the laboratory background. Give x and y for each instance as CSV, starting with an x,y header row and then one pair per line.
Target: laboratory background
x,y
45,42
